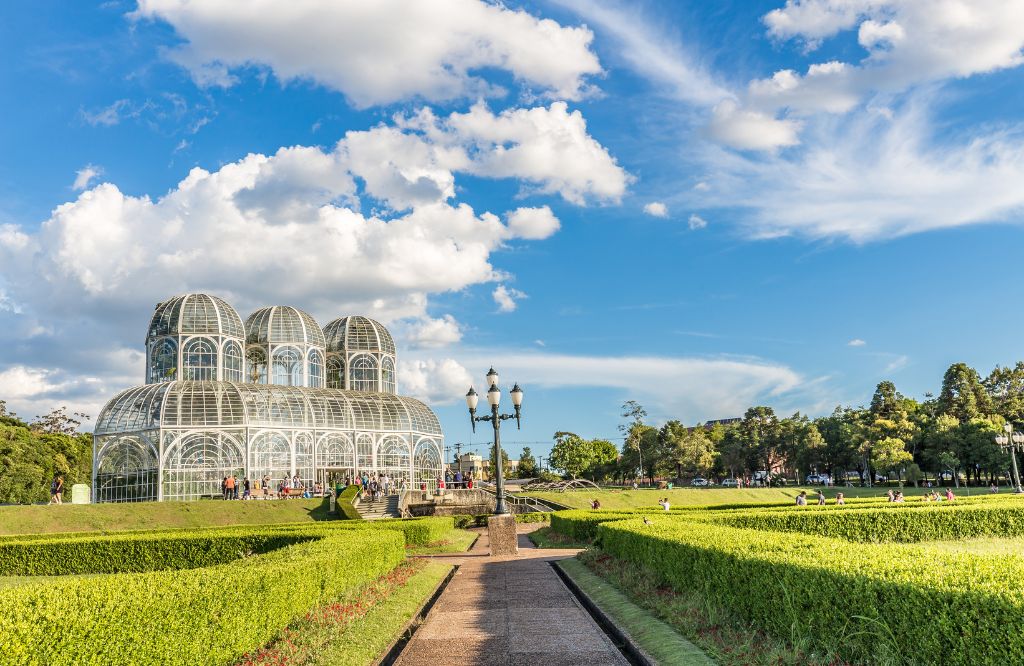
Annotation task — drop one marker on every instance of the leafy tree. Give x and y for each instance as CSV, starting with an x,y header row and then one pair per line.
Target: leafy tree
x,y
634,430
948,460
890,455
1005,388
29,458
963,396
760,434
59,421
914,473
505,469
689,450
571,454
527,464
604,456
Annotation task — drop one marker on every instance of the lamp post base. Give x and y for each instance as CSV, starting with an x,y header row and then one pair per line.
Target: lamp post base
x,y
501,531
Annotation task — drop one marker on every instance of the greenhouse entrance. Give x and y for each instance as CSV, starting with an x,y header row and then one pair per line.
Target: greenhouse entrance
x,y
332,476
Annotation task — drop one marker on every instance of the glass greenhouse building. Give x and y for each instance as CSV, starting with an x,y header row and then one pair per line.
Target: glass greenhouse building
x,y
276,396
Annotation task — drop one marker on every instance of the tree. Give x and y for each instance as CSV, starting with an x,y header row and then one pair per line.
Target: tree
x,y
689,450
634,429
571,453
760,434
914,473
890,454
505,470
949,461
1005,388
29,458
59,421
963,396
527,464
603,456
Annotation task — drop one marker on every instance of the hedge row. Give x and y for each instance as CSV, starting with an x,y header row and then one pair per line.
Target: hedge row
x,y
417,531
868,604
885,525
344,505
209,615
582,524
480,519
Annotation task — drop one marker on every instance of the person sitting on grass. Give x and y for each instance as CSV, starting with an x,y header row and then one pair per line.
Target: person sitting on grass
x,y
891,496
993,488
840,499
801,499
949,495
821,498
898,497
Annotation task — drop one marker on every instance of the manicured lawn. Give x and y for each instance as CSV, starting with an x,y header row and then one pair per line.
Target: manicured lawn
x,y
653,636
359,629
630,499
37,519
546,538
458,542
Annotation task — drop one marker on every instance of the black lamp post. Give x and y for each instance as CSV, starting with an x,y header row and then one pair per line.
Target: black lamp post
x,y
493,398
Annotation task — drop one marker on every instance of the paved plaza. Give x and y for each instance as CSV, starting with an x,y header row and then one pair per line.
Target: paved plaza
x,y
509,611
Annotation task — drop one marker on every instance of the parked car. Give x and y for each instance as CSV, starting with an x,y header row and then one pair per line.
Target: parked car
x,y
730,483
813,479
699,481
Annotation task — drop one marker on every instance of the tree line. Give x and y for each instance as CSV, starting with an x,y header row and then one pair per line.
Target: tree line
x,y
31,453
900,438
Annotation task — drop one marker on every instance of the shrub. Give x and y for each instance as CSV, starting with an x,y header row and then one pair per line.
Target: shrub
x,y
344,504
866,603
209,615
882,525
581,525
418,531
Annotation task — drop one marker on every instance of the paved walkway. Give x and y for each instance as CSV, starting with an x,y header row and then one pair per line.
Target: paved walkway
x,y
509,611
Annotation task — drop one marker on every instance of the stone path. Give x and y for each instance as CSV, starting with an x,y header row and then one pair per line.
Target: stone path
x,y
509,611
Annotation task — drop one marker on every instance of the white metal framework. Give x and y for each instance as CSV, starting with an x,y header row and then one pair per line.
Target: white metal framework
x,y
262,413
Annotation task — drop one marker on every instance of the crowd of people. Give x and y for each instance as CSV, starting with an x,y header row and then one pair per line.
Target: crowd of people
x,y
266,488
374,486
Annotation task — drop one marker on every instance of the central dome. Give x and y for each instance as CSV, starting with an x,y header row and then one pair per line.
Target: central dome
x,y
282,324
195,314
358,334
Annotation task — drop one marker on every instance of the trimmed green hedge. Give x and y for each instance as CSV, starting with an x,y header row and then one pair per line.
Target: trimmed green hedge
x,y
582,524
344,505
418,531
867,603
883,525
480,519
209,615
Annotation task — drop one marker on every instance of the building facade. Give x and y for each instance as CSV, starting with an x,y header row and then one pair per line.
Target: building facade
x,y
273,398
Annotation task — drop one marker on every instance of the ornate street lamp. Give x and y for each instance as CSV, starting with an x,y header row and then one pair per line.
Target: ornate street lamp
x,y
1012,442
493,399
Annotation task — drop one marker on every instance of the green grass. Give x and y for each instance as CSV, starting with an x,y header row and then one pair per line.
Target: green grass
x,y
38,519
546,538
458,542
723,638
653,636
360,628
631,499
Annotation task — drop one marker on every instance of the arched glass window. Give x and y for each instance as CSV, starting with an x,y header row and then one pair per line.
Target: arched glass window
x,y
197,463
126,471
428,460
232,362
163,361
364,449
287,367
270,455
335,451
304,458
387,376
200,356
316,369
393,453
256,366
335,372
363,373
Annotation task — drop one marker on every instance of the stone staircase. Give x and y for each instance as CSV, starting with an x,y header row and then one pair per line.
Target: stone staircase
x,y
385,507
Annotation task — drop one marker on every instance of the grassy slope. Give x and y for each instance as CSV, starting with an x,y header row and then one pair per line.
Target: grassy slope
x,y
366,639
656,638
154,515
627,499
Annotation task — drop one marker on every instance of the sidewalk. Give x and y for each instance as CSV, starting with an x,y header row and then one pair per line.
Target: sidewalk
x,y
509,611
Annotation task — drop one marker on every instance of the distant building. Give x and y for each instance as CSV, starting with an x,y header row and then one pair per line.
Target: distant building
x,y
478,467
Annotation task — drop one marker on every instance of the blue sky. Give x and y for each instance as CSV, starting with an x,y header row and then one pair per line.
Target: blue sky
x,y
700,206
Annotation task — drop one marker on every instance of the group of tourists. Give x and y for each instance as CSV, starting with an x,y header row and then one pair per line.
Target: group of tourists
x,y
801,499
266,488
375,486
892,496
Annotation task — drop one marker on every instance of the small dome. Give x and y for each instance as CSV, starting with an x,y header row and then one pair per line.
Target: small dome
x,y
192,314
358,334
282,324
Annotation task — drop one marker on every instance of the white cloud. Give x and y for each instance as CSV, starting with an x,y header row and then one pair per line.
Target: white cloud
x,y
897,363
548,147
85,175
506,298
689,388
379,52
436,382
533,223
110,115
656,209
856,342
751,130
651,52
696,222
429,333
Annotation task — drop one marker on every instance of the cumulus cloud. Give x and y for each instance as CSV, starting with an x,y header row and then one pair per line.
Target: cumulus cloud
x,y
436,382
696,222
85,175
533,223
379,52
428,333
856,342
547,147
751,130
507,297
656,209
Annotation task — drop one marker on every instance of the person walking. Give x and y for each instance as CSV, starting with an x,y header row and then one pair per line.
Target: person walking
x,y
57,489
229,487
248,489
224,487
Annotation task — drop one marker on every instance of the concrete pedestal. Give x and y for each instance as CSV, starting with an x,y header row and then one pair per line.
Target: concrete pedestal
x,y
501,530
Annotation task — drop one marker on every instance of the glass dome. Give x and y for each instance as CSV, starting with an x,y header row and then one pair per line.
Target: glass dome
x,y
282,324
358,334
195,314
